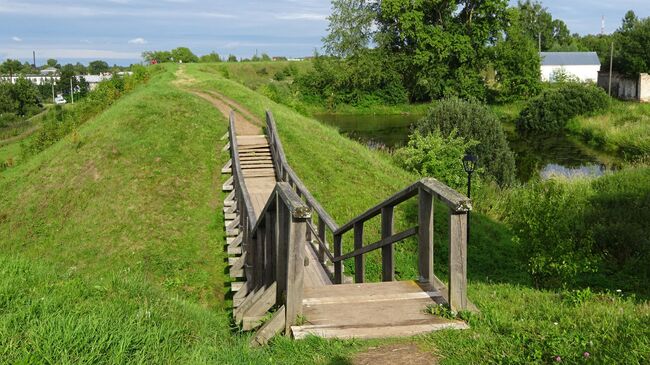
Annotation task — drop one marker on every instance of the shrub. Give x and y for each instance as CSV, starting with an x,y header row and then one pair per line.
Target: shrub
x,y
620,217
547,219
474,121
554,107
436,156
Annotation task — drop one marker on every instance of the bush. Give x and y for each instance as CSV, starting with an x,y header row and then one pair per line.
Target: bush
x,y
553,108
436,156
547,219
474,121
368,77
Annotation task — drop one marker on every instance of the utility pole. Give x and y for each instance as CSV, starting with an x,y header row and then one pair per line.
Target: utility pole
x,y
611,64
539,41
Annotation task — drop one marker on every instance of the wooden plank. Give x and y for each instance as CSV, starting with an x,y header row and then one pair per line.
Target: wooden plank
x,y
458,261
234,250
323,242
425,236
295,269
270,328
226,147
359,260
271,247
338,265
227,168
387,252
377,245
262,303
345,333
237,285
256,165
228,185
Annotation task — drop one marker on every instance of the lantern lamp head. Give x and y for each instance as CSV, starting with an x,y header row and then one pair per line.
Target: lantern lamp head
x,y
469,163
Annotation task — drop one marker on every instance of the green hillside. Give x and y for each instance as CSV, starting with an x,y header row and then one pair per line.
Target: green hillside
x,y
111,248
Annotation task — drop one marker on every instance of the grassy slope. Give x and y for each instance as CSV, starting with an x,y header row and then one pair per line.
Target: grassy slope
x,y
517,323
624,128
112,252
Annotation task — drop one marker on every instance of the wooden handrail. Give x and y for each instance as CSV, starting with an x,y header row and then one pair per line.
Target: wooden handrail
x,y
297,207
379,244
282,166
238,174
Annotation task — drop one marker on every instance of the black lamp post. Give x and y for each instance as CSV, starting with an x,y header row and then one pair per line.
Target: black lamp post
x,y
469,164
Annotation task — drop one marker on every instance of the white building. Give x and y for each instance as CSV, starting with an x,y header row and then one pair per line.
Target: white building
x,y
92,80
581,65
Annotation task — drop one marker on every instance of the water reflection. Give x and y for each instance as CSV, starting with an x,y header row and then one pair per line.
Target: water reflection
x,y
536,155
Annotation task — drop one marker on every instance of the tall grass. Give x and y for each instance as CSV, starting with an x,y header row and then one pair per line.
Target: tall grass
x,y
624,129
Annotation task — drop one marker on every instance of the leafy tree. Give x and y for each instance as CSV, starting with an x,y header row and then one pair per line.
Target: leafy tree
x,y
183,54
538,23
11,67
80,69
255,58
53,63
98,67
266,57
633,46
7,102
158,56
232,58
210,58
25,93
473,121
517,63
350,29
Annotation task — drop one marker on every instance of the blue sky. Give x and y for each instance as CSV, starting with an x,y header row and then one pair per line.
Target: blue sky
x,y
119,30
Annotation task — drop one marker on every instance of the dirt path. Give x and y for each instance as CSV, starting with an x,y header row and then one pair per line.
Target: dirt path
x,y
245,122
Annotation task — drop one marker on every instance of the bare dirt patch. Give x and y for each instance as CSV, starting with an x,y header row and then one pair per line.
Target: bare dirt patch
x,y
404,353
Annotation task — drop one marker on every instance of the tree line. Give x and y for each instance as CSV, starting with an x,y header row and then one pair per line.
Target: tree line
x,y
393,52
185,55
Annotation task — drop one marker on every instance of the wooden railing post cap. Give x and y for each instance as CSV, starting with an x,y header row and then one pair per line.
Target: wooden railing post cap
x,y
456,201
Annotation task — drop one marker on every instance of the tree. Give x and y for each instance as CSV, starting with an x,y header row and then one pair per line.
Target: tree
x,y
184,55
633,46
266,57
157,56
25,94
539,25
232,58
11,67
517,62
350,27
67,79
210,58
80,69
98,67
53,63
7,102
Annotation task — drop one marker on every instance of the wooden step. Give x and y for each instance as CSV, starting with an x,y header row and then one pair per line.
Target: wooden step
x,y
372,310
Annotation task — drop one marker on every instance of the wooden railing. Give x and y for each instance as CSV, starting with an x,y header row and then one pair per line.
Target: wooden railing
x,y
273,245
427,190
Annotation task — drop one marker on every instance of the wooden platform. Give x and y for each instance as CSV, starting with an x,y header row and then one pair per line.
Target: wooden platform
x,y
373,310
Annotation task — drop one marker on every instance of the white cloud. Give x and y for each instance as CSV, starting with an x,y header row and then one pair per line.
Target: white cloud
x,y
138,40
16,39
301,16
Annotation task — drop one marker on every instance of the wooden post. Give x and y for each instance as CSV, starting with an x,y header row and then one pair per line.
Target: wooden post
x,y
359,261
295,270
458,260
387,252
322,236
338,266
260,252
282,223
425,237
271,247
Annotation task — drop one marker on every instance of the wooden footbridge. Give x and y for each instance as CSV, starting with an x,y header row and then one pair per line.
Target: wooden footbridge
x,y
286,253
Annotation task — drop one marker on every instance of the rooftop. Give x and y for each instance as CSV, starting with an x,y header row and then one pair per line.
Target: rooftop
x,y
569,58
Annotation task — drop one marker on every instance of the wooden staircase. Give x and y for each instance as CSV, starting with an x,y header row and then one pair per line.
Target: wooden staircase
x,y
287,254
371,310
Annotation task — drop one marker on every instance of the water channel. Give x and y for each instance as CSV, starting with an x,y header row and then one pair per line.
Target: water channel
x,y
542,155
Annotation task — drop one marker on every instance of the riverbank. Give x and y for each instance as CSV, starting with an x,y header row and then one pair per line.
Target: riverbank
x,y
623,129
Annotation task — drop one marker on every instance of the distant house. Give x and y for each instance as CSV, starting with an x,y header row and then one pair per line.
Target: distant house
x,y
49,71
582,65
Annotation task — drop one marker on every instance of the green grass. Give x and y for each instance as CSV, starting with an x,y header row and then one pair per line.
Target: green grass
x,y
624,128
112,252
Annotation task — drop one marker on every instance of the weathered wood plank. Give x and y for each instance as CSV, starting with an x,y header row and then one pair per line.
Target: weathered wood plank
x,y
388,241
458,261
425,236
338,265
387,252
271,328
359,260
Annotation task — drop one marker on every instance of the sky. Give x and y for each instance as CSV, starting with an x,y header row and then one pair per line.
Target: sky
x,y
118,31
